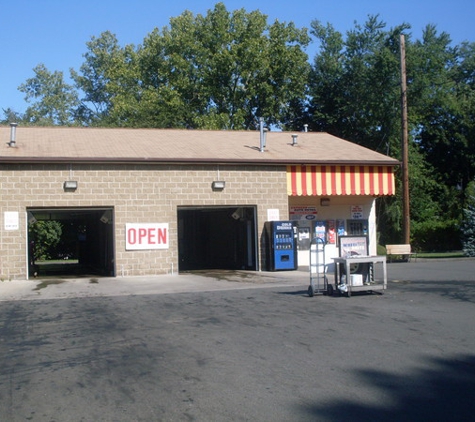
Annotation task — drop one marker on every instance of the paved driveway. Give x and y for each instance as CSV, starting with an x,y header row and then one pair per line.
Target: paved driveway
x,y
247,354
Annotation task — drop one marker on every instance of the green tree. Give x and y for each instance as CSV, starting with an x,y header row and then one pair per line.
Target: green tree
x,y
170,75
355,94
110,82
219,70
468,224
250,68
434,110
54,101
354,86
44,235
447,117
11,116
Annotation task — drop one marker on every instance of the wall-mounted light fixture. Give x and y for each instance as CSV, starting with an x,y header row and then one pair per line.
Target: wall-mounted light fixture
x,y
31,218
70,185
106,217
325,202
218,185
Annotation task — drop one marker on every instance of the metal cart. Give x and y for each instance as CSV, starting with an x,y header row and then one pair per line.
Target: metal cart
x,y
369,284
318,279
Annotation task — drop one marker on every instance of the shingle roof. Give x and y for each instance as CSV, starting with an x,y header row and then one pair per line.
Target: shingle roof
x,y
66,144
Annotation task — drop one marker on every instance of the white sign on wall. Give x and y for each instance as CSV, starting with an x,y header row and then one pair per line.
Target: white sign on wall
x,y
11,220
141,236
273,214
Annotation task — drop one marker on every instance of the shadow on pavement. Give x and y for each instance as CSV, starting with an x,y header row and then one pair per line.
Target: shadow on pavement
x,y
444,390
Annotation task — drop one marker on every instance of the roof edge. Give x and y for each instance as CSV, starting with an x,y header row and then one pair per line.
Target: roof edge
x,y
120,160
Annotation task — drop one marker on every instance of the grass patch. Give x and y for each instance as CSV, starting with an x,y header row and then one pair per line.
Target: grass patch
x,y
57,261
439,255
381,250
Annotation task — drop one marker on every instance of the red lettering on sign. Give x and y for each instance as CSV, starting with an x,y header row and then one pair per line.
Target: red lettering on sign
x,y
142,234
162,236
151,236
131,236
146,236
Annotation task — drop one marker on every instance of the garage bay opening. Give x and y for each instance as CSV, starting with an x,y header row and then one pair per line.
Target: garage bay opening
x,y
217,238
75,242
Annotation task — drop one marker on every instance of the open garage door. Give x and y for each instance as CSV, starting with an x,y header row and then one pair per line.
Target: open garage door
x,y
75,242
217,238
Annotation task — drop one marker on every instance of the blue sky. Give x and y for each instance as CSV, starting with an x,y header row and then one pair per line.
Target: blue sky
x,y
55,32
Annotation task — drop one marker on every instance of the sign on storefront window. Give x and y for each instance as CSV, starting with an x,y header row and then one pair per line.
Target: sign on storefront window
x,y
356,212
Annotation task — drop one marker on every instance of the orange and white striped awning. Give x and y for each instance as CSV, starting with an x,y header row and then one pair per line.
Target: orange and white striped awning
x,y
340,180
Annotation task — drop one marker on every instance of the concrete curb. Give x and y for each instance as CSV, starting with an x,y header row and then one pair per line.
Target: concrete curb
x,y
61,288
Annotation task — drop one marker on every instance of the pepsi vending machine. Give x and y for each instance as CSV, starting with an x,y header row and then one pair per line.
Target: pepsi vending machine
x,y
281,245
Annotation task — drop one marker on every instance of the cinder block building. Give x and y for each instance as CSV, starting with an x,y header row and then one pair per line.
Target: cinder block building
x,y
150,201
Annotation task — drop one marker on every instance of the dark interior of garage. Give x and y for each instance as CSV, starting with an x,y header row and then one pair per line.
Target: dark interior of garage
x,y
70,242
217,238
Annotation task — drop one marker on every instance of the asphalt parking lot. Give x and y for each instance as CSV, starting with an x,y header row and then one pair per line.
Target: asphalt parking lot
x,y
240,348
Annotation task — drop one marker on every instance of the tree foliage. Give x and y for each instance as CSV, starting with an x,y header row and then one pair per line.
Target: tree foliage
x,y
219,70
355,84
44,235
468,222
355,94
108,78
53,99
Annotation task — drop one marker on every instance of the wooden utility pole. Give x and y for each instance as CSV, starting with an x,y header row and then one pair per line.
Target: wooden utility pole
x,y
405,146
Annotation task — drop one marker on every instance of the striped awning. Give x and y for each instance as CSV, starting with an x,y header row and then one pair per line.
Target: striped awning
x,y
340,180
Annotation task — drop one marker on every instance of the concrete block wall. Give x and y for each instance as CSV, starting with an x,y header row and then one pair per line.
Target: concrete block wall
x,y
138,194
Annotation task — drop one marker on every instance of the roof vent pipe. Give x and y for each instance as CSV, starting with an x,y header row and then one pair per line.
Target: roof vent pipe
x,y
13,134
262,135
294,140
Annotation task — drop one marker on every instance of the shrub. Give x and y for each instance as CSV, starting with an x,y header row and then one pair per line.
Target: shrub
x,y
436,236
44,236
468,229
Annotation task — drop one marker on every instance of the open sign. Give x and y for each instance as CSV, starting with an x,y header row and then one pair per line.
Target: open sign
x,y
146,236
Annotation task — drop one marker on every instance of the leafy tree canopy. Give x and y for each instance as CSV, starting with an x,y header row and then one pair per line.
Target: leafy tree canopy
x,y
44,236
219,70
52,98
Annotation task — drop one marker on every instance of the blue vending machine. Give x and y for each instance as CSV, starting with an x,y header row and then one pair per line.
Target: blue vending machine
x,y
281,245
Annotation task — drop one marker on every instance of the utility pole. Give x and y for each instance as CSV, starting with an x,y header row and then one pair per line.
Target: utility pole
x,y
405,146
